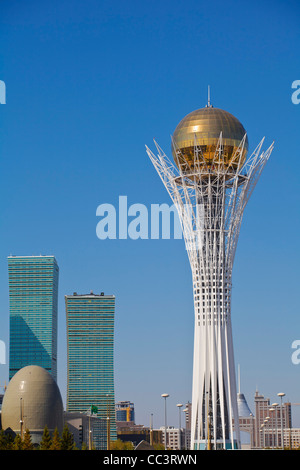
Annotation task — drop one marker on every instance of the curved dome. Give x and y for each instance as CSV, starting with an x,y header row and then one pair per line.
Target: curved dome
x,y
203,127
33,394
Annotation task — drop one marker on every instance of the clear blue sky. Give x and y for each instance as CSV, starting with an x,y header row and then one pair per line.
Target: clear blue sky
x,y
89,83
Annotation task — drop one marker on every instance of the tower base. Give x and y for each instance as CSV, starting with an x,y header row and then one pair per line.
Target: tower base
x,y
219,445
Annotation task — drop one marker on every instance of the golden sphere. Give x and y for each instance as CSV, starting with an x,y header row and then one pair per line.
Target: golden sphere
x,y
203,127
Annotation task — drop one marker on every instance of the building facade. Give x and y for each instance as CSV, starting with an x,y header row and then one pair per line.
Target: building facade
x,y
90,375
125,411
176,437
33,295
291,438
267,430
83,427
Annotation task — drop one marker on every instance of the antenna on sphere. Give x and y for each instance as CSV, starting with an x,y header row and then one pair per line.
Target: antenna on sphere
x,y
209,105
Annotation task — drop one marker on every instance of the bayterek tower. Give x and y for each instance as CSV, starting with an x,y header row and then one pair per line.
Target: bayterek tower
x,y
210,181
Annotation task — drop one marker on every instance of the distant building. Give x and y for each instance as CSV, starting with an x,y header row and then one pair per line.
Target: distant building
x,y
125,411
83,428
90,368
174,437
246,418
267,429
136,433
33,293
291,438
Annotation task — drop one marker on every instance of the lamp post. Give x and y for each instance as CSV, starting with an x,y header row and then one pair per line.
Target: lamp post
x,y
151,429
272,415
108,421
264,433
165,396
267,421
281,395
185,434
262,430
265,425
179,405
21,418
275,405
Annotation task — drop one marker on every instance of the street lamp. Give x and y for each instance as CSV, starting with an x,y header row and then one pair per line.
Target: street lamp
x,y
179,405
151,429
185,434
276,419
262,430
272,409
281,395
108,421
267,421
165,396
265,426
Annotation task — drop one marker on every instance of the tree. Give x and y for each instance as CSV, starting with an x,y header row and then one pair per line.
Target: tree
x,y
120,445
9,436
56,441
46,442
67,439
5,442
27,443
17,444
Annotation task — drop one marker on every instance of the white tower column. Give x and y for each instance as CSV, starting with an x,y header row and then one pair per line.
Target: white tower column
x,y
210,199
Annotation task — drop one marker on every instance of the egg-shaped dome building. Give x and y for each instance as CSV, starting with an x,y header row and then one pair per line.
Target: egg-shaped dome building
x,y
32,401
202,128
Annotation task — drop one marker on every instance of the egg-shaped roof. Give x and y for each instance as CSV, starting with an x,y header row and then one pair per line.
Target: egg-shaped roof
x,y
32,394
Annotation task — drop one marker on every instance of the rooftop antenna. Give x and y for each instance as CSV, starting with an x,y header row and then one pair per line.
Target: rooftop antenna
x,y
208,98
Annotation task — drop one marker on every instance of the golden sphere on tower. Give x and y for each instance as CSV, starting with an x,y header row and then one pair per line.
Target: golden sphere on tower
x,y
203,127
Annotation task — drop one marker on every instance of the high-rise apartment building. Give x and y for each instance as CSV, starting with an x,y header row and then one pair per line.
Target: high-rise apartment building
x,y
33,293
90,343
268,422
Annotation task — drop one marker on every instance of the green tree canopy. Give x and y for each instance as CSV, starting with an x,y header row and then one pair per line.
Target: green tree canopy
x,y
6,440
46,441
120,445
17,444
27,442
67,439
56,441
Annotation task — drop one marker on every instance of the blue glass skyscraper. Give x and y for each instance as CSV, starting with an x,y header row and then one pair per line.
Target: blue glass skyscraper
x,y
33,293
90,344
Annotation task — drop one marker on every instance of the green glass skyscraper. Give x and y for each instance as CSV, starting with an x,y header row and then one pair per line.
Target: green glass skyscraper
x,y
90,344
33,293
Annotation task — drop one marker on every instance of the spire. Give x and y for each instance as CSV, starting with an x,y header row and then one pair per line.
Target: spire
x,y
209,105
